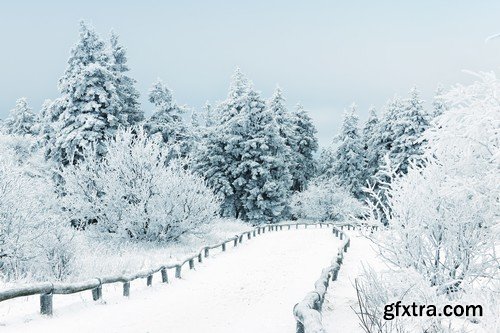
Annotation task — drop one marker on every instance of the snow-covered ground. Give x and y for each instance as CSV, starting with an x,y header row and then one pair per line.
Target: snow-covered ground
x,y
250,288
338,313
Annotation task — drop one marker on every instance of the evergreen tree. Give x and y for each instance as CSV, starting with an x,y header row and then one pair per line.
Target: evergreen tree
x,y
127,93
348,166
439,104
21,120
382,141
370,141
286,129
214,161
244,157
305,146
261,170
90,108
407,129
209,115
166,120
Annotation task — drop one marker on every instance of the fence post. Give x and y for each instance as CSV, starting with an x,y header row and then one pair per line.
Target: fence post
x,y
207,250
240,239
223,246
46,304
335,273
164,275
236,241
97,293
289,227
178,271
296,225
191,263
249,235
254,233
126,289
341,235
200,257
149,280
300,327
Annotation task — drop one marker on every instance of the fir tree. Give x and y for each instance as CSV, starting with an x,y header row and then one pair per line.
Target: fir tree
x,y
348,166
439,104
244,157
21,120
407,129
305,146
370,142
166,120
127,93
261,168
89,106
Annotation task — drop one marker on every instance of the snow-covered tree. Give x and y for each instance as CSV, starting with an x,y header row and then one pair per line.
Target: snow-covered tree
x,y
370,142
132,194
325,200
439,104
30,219
166,120
125,85
90,104
448,230
21,120
262,177
407,129
243,156
210,115
286,129
305,145
348,164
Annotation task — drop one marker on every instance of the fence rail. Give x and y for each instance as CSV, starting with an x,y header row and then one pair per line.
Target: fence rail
x,y
308,312
47,289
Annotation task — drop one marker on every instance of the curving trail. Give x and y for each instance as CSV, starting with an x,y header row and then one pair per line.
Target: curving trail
x,y
250,288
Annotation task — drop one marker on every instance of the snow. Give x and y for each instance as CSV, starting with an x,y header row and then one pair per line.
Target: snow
x,y
250,288
340,299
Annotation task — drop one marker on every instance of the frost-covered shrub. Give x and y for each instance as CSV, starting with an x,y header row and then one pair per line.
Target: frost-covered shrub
x,y
325,200
379,293
131,193
29,219
443,216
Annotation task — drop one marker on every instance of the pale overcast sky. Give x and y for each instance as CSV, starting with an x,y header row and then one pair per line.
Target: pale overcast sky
x,y
325,54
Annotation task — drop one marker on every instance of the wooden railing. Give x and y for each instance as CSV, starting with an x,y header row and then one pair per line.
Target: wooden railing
x,y
308,312
47,289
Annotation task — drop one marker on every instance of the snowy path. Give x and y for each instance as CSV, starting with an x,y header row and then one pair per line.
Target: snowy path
x,y
250,288
338,316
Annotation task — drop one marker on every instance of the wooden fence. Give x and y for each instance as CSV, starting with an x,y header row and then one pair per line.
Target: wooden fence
x,y
308,312
47,289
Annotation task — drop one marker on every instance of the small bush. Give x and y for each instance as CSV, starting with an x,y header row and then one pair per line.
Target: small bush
x,y
325,200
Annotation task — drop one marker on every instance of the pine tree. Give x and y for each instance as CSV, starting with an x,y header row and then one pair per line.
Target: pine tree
x,y
166,120
214,160
439,104
90,106
21,120
127,93
262,177
305,146
348,166
370,141
407,129
209,115
286,129
244,157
